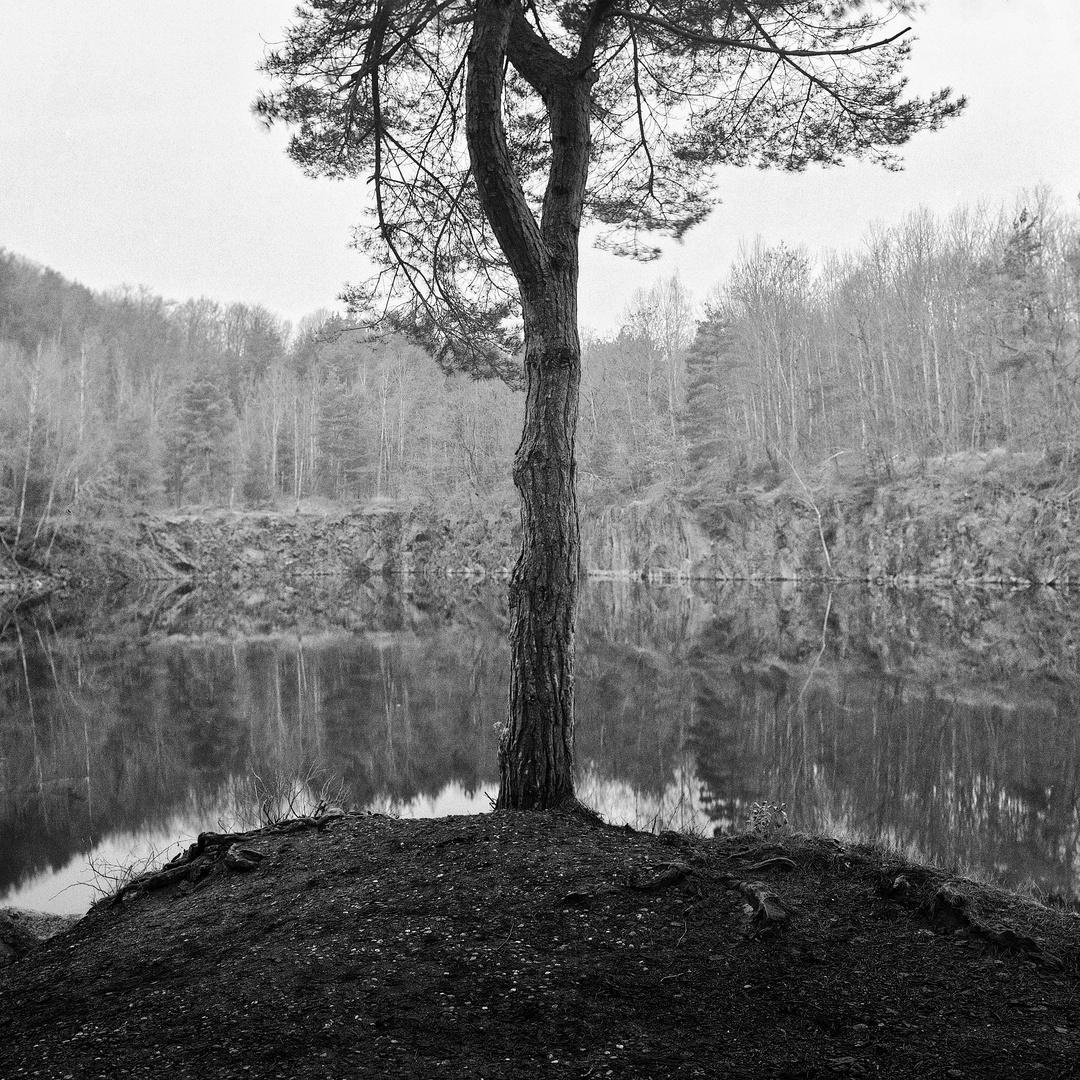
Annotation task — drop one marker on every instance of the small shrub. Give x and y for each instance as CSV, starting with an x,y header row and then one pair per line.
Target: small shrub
x,y
108,878
768,821
281,796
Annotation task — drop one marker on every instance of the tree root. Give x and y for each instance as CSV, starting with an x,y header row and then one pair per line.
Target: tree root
x,y
769,910
201,857
780,862
949,908
668,874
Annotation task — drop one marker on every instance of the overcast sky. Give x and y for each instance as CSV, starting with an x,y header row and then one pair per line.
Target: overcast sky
x,y
129,155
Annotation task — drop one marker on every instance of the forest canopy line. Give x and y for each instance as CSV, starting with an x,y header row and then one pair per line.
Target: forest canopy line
x,y
937,336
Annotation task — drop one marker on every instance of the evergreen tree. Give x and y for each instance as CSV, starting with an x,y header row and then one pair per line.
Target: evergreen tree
x,y
341,457
135,466
199,443
705,420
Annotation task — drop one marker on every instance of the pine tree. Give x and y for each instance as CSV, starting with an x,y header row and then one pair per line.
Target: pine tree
x,y
199,440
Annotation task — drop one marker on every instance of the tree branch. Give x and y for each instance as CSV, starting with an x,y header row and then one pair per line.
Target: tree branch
x,y
501,194
813,79
640,103
702,38
590,36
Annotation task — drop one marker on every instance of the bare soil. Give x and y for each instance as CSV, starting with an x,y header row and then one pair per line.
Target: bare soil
x,y
547,945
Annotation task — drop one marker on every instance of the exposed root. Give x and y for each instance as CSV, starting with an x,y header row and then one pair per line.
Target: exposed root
x,y
200,858
669,874
781,862
769,910
949,908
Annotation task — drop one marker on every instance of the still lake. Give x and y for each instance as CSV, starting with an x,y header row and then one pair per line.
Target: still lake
x,y
945,724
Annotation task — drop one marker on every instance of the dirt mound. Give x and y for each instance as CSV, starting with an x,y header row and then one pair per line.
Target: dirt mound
x,y
547,944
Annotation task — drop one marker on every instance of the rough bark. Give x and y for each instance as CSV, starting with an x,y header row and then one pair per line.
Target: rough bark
x,y
536,748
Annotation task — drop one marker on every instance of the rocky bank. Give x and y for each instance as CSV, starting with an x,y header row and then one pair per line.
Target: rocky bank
x,y
973,519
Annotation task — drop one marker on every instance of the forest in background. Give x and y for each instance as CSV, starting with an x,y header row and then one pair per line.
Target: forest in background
x,y
936,337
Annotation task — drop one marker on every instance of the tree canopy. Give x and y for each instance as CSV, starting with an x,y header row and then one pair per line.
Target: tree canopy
x,y
382,89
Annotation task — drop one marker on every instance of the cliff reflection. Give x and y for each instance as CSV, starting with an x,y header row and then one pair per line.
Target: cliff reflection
x,y
944,724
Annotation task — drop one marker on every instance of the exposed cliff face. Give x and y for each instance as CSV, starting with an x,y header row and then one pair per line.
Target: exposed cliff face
x,y
974,519
650,540
254,545
639,540
926,529
969,523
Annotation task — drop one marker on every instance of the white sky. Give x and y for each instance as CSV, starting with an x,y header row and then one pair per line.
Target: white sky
x,y
128,154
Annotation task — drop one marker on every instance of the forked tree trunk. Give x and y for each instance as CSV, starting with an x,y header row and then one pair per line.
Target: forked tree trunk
x,y
536,746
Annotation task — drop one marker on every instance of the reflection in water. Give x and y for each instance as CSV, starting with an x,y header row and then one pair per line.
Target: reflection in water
x,y
942,724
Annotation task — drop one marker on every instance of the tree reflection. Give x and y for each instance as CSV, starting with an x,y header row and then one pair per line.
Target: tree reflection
x,y
942,724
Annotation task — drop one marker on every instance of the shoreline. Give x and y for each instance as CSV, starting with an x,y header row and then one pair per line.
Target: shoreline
x,y
976,519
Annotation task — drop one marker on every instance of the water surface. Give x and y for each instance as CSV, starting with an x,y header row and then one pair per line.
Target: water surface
x,y
942,724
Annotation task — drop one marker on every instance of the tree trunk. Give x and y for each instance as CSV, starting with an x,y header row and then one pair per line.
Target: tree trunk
x,y
537,743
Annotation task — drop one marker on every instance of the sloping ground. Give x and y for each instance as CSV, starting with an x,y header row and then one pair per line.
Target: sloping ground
x,y
101,549
547,944
22,930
